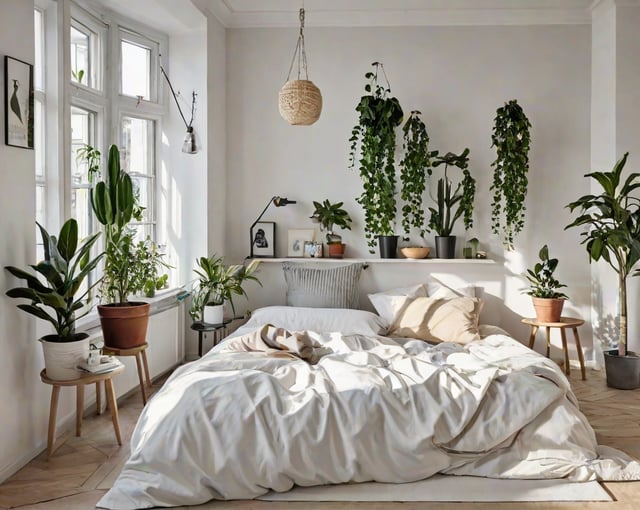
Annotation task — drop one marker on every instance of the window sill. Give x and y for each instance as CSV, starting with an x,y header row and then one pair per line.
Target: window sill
x,y
163,300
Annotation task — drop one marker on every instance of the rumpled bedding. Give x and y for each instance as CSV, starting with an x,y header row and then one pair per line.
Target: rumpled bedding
x,y
269,409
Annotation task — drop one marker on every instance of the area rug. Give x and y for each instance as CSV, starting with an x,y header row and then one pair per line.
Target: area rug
x,y
449,488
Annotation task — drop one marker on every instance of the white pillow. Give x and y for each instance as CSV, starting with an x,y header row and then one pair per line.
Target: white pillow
x,y
440,291
297,318
391,302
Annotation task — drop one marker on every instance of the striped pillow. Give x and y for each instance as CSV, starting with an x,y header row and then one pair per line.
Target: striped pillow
x,y
322,287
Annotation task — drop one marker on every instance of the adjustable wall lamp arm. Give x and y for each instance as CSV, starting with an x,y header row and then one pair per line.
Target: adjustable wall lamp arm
x,y
278,202
175,97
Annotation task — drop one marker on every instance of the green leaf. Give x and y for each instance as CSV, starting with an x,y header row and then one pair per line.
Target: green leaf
x,y
68,239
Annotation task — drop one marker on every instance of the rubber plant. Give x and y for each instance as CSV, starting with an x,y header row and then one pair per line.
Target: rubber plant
x,y
612,219
512,141
415,166
375,137
452,203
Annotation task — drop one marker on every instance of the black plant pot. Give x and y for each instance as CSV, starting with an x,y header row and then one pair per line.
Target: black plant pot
x,y
446,247
388,246
623,372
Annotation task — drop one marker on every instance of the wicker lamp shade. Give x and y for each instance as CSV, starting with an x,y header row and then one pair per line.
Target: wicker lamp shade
x,y
300,102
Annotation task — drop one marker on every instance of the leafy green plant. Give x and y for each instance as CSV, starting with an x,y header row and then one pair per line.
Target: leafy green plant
x,y
414,168
57,280
77,75
146,267
542,283
115,205
613,234
375,136
329,216
452,203
92,156
512,140
218,282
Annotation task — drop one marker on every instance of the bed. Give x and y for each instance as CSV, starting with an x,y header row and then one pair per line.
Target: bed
x,y
308,396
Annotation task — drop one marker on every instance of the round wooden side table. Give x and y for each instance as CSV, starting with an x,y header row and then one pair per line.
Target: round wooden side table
x,y
141,361
80,383
565,322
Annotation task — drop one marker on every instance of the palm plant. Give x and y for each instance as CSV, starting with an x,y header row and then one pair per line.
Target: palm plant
x,y
613,221
52,289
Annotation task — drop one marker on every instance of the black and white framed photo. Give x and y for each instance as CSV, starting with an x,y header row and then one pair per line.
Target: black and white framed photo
x,y
263,239
296,239
18,103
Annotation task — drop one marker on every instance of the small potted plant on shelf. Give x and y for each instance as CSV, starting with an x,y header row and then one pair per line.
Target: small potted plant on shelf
x,y
613,221
375,136
151,263
543,289
58,294
124,322
329,216
452,203
216,284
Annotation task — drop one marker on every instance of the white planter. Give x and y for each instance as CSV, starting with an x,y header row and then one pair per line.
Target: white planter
x,y
61,358
213,314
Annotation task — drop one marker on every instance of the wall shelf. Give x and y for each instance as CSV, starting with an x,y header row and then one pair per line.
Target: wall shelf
x,y
376,261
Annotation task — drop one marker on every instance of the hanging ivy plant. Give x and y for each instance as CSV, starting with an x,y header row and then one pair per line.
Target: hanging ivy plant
x,y
375,136
512,141
414,168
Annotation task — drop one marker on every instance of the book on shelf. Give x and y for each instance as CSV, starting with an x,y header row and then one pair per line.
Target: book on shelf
x,y
106,364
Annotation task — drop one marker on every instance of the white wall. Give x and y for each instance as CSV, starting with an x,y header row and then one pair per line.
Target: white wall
x,y
458,77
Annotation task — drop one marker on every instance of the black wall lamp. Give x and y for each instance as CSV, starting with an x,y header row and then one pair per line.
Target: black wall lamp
x,y
278,202
189,145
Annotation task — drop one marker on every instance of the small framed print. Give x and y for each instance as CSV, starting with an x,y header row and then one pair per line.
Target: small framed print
x,y
312,249
263,239
296,240
18,103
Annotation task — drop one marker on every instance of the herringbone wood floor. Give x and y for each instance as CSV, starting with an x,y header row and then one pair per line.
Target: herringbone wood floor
x,y
83,468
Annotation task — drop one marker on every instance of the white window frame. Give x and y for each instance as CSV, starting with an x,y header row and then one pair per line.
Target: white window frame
x,y
83,20
147,42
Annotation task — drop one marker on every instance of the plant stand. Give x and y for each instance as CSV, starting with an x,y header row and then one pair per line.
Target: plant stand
x,y
219,330
564,323
140,353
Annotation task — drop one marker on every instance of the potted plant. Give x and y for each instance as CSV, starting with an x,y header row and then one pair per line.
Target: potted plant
x,y
375,134
612,218
452,203
151,262
543,288
124,323
216,284
415,166
57,295
329,216
512,140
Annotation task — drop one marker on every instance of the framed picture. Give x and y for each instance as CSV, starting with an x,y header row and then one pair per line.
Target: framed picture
x,y
263,239
18,103
313,249
296,240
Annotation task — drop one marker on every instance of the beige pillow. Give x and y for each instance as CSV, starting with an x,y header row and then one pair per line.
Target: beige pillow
x,y
439,320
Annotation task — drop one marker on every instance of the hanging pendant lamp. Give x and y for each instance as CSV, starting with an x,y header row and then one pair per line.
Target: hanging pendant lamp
x,y
300,101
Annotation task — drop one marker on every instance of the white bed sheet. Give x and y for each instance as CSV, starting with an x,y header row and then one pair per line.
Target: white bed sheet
x,y
246,419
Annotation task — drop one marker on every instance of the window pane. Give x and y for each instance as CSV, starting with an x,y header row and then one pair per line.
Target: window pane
x,y
82,122
81,211
137,145
142,189
40,211
80,70
38,146
39,50
135,70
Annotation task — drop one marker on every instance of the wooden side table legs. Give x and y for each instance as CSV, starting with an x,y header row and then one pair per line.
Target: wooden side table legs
x,y
79,408
53,411
113,407
532,336
548,340
567,365
580,354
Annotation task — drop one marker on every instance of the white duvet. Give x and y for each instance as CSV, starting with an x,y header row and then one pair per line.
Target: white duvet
x,y
248,418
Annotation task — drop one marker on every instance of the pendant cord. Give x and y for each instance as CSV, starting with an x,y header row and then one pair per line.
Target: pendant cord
x,y
300,51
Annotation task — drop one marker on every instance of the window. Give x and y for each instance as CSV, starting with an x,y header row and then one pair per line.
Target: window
x,y
86,37
138,66
138,159
39,144
82,133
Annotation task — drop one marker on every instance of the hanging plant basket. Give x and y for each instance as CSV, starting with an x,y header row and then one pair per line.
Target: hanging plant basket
x,y
300,102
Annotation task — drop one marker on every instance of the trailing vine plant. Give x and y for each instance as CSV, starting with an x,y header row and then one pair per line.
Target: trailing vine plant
x,y
375,137
452,203
512,140
414,168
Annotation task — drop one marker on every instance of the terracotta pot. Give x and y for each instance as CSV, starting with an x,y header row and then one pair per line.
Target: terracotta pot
x,y
548,309
124,326
336,250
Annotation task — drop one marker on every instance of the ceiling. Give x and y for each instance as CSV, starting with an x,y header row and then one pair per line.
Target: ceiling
x,y
271,13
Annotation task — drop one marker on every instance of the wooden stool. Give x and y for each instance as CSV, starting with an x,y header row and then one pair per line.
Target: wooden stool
x,y
141,361
565,322
80,383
